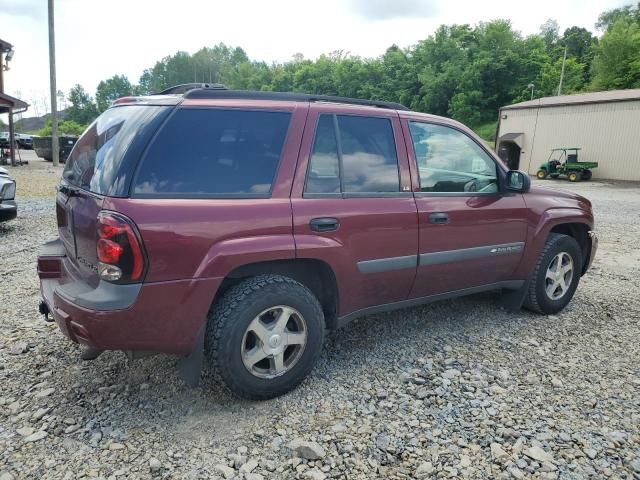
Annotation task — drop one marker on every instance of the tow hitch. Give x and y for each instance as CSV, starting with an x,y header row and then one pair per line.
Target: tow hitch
x,y
43,308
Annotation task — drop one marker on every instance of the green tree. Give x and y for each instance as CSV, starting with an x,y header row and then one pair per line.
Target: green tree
x,y
111,89
617,61
82,109
66,127
581,45
608,18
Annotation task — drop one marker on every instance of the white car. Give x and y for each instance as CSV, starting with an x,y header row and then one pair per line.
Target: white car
x,y
8,206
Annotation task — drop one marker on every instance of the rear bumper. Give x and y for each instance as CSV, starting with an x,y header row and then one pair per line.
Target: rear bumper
x,y
155,317
8,210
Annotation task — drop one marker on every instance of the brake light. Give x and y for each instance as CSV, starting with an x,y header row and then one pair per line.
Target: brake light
x,y
119,248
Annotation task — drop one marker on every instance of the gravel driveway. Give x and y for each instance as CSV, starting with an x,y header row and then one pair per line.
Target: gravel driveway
x,y
457,389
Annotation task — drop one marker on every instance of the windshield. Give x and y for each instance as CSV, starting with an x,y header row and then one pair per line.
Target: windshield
x,y
97,161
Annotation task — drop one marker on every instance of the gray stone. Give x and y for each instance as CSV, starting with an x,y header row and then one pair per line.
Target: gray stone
x,y
34,437
19,348
498,453
25,431
250,466
314,475
307,450
155,465
424,470
538,454
226,472
45,393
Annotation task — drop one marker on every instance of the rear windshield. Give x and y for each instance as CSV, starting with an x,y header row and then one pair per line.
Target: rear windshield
x,y
208,152
97,161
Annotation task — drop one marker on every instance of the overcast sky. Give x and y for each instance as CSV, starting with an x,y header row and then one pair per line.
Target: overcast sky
x,y
97,39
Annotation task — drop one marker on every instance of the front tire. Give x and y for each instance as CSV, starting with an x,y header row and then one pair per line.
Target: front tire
x,y
264,336
556,275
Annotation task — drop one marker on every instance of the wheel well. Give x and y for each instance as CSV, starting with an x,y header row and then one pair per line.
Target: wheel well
x,y
316,275
580,232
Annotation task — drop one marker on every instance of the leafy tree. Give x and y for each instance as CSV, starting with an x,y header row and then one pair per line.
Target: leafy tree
x,y
82,110
617,61
111,89
66,127
550,32
581,45
608,18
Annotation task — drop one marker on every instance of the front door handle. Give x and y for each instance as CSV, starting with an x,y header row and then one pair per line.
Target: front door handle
x,y
324,224
439,218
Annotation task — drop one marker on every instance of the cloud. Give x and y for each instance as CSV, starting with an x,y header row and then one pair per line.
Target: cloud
x,y
24,8
389,9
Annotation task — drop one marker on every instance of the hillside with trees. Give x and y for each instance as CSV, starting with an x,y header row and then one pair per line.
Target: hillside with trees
x,y
461,71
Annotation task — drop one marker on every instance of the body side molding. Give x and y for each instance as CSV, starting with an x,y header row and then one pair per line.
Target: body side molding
x,y
387,264
448,256
508,284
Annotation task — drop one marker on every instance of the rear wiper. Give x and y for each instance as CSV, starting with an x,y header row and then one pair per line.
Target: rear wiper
x,y
68,190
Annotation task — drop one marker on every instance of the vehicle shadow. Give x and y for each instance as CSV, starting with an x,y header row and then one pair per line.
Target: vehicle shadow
x,y
148,392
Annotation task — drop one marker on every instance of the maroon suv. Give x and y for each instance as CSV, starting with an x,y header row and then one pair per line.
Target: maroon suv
x,y
236,227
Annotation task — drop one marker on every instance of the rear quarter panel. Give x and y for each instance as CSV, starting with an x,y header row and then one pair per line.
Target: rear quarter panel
x,y
209,237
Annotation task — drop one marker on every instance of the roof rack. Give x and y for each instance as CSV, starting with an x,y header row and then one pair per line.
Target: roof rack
x,y
201,92
186,87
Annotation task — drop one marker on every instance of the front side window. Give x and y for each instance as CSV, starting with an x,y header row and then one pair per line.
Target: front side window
x,y
353,154
206,152
451,162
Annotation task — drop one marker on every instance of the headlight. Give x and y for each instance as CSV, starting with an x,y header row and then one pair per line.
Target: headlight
x,y
8,191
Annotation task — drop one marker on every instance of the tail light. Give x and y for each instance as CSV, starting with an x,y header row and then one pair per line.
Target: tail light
x,y
120,253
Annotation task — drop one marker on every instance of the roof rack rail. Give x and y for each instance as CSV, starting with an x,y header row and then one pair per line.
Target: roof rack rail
x,y
185,87
205,93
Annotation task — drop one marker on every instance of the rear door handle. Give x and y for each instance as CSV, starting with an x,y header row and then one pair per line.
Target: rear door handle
x,y
439,218
324,224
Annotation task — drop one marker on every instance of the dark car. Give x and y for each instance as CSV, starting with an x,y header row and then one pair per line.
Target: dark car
x,y
8,207
239,226
24,141
42,147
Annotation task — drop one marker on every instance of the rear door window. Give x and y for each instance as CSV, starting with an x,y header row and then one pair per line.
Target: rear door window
x,y
206,152
353,154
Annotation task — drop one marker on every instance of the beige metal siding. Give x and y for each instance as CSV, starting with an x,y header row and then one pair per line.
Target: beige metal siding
x,y
521,121
608,133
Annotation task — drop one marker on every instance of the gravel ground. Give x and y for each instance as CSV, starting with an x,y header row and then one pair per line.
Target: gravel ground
x,y
458,389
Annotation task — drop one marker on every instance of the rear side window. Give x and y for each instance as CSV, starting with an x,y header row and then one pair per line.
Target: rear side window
x,y
214,153
357,153
97,162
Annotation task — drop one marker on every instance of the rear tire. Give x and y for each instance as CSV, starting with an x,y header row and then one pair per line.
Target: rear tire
x,y
542,174
573,176
249,351
555,276
586,175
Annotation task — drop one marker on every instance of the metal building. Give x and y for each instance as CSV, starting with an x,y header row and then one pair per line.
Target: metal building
x,y
605,125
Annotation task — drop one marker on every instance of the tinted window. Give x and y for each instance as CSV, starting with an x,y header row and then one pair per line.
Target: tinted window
x,y
369,155
324,171
369,161
213,152
450,161
95,163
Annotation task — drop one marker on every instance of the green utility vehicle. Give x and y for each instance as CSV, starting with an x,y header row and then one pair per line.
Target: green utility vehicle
x,y
564,161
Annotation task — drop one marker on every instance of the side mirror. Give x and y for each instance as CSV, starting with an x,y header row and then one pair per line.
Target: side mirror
x,y
518,181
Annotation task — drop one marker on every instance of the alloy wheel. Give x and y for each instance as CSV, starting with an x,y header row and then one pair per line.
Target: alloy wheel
x,y
559,276
274,342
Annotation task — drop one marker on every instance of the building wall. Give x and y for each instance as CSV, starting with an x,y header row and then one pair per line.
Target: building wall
x,y
608,133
